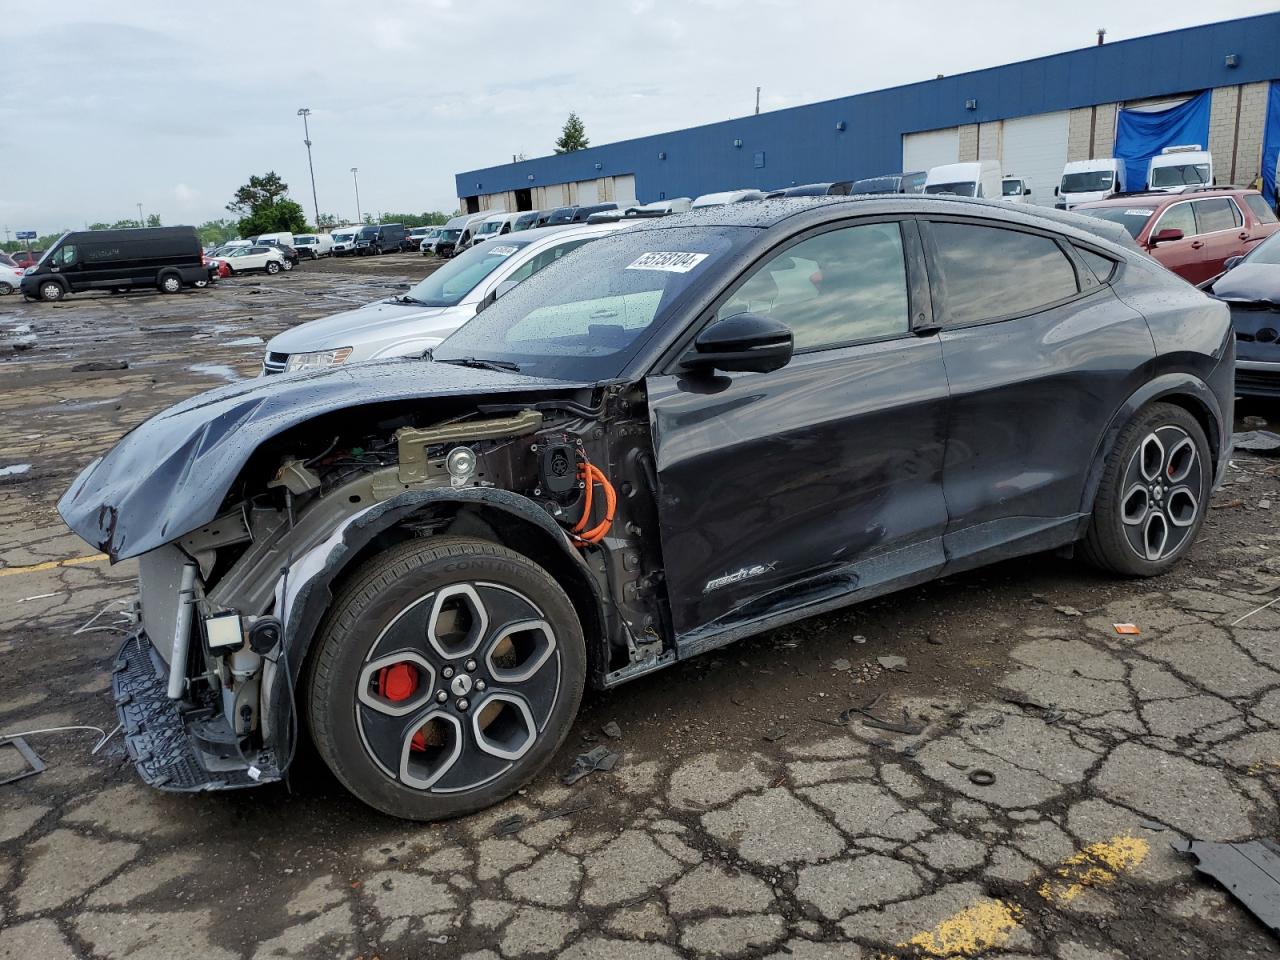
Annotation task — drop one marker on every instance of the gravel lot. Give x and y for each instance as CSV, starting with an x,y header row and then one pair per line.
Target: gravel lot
x,y
753,811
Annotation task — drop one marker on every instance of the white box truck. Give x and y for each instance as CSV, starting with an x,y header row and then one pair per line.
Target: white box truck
x,y
975,178
1174,168
1084,181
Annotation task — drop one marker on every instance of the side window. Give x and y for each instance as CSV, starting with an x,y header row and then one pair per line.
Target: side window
x,y
1216,213
838,287
545,259
66,256
991,272
1177,217
1101,266
1258,207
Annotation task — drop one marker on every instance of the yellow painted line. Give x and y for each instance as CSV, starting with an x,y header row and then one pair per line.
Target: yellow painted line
x,y
1096,865
52,565
976,929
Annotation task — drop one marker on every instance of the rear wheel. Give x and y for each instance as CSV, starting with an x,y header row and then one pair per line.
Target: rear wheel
x,y
1153,496
287,265
5,288
448,673
170,283
51,290
273,267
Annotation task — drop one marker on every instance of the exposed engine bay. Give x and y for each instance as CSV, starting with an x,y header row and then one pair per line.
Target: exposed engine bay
x,y
231,606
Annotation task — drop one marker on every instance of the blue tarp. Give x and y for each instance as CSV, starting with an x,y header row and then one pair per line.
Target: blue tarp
x,y
1141,136
1271,143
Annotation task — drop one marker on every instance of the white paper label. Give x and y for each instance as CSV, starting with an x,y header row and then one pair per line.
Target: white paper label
x,y
254,773
500,251
1137,213
671,262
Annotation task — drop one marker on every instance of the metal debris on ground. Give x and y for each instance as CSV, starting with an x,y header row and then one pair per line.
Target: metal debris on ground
x,y
982,778
1257,441
599,758
897,664
859,639
512,824
612,730
32,759
1255,610
774,734
905,726
1249,870
1127,629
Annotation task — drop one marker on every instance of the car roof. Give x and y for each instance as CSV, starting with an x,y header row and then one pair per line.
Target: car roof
x,y
765,215
1159,198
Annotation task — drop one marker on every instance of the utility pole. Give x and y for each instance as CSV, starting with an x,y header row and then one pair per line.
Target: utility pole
x,y
304,112
141,222
757,101
356,181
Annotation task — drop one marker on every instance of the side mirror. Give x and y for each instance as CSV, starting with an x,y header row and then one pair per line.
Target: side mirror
x,y
746,342
1231,262
1055,191
1026,191
1167,235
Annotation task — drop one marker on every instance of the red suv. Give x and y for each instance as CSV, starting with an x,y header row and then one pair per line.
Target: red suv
x,y
1191,233
25,258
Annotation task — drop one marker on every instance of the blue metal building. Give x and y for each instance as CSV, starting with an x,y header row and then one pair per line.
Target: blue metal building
x,y
1034,114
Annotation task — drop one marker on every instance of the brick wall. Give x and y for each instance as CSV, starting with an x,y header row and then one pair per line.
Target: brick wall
x,y
1253,118
1104,130
968,145
989,140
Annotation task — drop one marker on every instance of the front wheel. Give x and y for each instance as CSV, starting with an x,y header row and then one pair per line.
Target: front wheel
x,y
273,267
446,675
1153,495
51,291
170,283
5,288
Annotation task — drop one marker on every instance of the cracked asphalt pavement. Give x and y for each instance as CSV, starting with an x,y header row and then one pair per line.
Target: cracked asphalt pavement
x,y
1029,812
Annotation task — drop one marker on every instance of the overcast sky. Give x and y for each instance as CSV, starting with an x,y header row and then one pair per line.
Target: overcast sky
x,y
174,105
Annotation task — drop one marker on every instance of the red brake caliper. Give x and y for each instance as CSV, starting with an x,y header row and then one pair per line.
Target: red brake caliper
x,y
398,683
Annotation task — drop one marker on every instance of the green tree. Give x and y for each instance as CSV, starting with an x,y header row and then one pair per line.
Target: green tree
x,y
272,217
217,232
573,136
433,218
258,193
153,220
327,221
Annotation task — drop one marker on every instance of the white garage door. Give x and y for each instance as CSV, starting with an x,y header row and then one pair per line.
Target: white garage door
x,y
1036,148
932,148
588,192
624,191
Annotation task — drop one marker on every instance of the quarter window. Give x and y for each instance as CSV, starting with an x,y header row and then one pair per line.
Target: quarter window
x,y
1099,264
1177,217
1259,208
835,288
988,272
1216,213
546,258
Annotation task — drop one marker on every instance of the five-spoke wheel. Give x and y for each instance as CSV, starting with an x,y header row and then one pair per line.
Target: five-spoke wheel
x,y
448,672
1150,503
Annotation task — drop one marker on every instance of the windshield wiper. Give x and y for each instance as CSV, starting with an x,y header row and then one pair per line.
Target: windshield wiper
x,y
483,364
408,299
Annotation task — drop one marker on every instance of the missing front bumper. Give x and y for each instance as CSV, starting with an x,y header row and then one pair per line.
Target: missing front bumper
x,y
164,739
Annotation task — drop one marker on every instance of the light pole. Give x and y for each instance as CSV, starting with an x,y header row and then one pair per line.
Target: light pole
x,y
141,222
304,112
356,181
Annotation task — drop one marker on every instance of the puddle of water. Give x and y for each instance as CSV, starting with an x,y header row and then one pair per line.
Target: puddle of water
x,y
216,370
245,342
15,470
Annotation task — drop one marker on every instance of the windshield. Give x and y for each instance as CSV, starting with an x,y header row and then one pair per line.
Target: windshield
x,y
448,285
1132,219
342,237
450,234
876,185
368,233
966,188
492,226
586,316
1087,181
1182,175
1011,188
303,241
525,222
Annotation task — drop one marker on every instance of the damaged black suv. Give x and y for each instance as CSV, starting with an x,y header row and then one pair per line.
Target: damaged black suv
x,y
682,434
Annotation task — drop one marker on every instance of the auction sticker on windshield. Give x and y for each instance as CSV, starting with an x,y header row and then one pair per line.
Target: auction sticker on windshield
x,y
501,251
1139,212
671,262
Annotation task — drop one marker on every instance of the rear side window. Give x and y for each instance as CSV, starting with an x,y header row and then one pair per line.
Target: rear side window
x,y
988,272
835,288
1258,207
1101,266
1216,213
1177,217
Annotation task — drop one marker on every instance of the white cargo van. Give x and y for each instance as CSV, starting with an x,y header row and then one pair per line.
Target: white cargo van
x,y
1174,168
1084,181
1015,189
976,178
